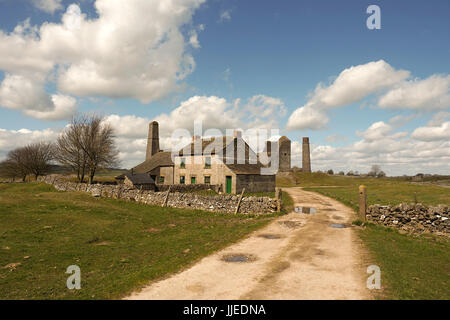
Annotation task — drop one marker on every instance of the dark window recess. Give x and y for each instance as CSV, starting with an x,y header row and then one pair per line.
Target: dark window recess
x,y
182,179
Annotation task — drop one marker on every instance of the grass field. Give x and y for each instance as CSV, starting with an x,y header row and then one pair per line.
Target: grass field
x,y
412,267
379,191
118,245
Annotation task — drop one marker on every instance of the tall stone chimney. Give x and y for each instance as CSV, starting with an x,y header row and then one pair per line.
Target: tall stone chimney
x,y
153,139
306,157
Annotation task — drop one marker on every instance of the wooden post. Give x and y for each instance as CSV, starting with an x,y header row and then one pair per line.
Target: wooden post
x,y
239,202
278,197
362,202
167,198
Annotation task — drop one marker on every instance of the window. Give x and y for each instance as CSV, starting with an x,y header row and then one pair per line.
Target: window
x,y
183,163
182,180
207,179
161,179
193,180
207,162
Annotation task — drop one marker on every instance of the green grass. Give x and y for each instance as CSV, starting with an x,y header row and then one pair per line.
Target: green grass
x,y
379,191
411,267
118,245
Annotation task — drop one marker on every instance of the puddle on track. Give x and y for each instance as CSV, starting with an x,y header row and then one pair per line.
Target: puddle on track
x,y
305,210
238,257
270,236
338,225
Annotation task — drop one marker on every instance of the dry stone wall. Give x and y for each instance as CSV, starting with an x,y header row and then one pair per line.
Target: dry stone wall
x,y
414,218
219,203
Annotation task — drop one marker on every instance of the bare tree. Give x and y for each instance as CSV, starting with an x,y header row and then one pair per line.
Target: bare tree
x,y
88,144
15,164
68,150
33,159
9,169
38,157
374,171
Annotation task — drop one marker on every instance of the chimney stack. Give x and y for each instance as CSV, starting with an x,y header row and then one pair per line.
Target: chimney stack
x,y
153,140
237,133
306,157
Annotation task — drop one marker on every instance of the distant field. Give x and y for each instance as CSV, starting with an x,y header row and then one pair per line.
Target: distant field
x,y
118,245
412,267
379,190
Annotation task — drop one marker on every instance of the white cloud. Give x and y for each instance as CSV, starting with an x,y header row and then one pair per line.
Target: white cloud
x,y
134,49
225,15
352,85
431,133
49,6
428,94
10,139
358,82
397,153
28,94
307,117
64,107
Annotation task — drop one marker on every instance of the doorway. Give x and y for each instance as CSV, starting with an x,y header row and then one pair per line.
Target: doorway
x,y
228,178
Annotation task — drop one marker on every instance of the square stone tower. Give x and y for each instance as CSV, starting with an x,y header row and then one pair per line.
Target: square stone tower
x,y
153,139
284,149
306,157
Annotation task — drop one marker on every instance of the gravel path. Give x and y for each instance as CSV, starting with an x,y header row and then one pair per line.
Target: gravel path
x,y
297,256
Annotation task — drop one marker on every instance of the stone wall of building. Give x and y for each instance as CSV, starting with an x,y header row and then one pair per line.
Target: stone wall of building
x,y
414,218
255,183
219,203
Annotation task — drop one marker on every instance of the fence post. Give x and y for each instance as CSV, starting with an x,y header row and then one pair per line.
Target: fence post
x,y
167,198
239,202
362,202
278,197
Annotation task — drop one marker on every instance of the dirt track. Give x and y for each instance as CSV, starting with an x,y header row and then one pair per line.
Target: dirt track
x,y
303,258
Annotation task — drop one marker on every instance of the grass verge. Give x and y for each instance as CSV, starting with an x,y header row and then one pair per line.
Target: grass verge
x,y
411,267
118,245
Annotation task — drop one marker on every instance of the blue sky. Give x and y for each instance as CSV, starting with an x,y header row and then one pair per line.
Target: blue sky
x,y
284,49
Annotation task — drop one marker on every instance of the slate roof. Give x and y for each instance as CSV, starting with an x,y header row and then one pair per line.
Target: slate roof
x,y
159,159
245,168
139,178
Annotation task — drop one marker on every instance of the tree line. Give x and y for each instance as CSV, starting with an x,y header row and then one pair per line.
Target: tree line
x,y
85,145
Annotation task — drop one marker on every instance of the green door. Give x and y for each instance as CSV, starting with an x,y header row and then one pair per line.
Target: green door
x,y
192,180
228,184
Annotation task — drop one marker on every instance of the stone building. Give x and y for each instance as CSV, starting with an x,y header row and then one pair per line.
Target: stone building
x,y
283,154
306,155
137,180
227,162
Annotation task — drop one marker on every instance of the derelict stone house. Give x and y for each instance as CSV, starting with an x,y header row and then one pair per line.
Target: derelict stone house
x,y
283,147
138,180
227,162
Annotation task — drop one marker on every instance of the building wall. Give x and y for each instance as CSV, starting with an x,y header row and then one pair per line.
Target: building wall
x,y
167,173
195,167
255,183
285,155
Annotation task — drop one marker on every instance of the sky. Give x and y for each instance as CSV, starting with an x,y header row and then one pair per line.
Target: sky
x,y
305,68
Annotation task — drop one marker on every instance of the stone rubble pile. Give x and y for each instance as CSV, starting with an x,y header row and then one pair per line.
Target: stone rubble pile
x,y
219,203
413,218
